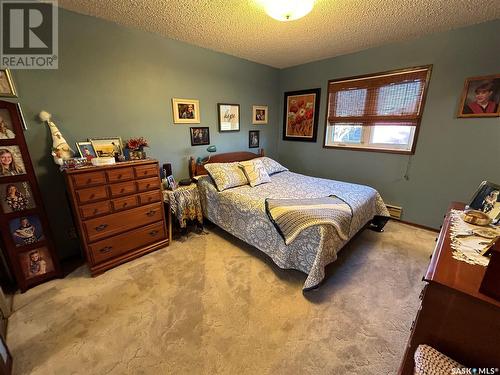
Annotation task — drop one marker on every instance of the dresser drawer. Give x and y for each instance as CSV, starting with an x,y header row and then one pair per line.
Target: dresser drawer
x,y
150,197
123,188
122,221
92,194
124,203
95,209
88,179
148,184
120,174
123,243
146,171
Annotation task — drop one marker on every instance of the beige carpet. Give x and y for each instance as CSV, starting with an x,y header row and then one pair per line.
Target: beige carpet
x,y
211,304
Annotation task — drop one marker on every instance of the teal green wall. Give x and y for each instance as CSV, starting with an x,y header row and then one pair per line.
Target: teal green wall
x,y
115,81
453,155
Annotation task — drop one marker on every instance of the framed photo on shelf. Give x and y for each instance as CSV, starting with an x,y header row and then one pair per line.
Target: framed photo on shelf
x,y
300,117
26,230
186,111
253,139
487,199
36,262
260,114
6,127
229,117
11,161
16,197
480,97
7,88
172,184
107,147
200,136
86,149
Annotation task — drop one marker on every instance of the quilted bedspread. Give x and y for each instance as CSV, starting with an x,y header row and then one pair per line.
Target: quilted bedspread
x,y
241,212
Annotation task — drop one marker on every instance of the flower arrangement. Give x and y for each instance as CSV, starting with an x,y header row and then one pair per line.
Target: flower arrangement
x,y
137,144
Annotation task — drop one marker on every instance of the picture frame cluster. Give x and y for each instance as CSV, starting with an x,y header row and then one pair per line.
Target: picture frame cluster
x,y
187,111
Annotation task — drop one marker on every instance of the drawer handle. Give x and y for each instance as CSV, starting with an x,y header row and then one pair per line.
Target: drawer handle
x,y
145,172
89,180
101,227
151,213
122,190
92,196
120,176
125,204
106,249
150,199
153,233
148,185
96,210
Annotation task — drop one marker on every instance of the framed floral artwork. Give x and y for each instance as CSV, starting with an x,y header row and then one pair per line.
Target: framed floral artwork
x,y
300,117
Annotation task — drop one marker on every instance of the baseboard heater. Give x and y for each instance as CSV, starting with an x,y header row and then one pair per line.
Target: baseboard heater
x,y
394,211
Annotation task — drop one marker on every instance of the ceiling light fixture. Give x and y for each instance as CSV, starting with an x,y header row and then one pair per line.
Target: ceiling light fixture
x,y
288,10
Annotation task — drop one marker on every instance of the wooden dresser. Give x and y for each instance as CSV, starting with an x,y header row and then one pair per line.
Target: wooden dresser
x,y
118,211
454,317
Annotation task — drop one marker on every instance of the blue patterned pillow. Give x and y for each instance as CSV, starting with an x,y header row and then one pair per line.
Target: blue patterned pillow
x,y
272,166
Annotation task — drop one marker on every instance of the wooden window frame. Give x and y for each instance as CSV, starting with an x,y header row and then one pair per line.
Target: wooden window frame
x,y
417,118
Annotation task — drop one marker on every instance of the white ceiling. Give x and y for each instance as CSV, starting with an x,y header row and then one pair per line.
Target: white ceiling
x,y
334,27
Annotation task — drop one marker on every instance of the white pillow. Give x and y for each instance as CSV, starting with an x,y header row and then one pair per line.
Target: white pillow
x,y
272,166
255,172
226,175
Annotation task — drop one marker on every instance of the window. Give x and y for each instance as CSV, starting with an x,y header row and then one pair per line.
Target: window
x,y
379,112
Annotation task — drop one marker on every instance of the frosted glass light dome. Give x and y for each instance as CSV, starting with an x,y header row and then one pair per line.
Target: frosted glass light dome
x,y
288,10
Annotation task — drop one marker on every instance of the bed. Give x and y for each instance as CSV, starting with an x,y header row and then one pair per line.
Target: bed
x,y
241,212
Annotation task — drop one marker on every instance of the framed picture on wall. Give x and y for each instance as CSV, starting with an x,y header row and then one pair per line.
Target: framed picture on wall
x,y
300,117
253,139
200,136
229,117
480,97
7,88
186,111
260,114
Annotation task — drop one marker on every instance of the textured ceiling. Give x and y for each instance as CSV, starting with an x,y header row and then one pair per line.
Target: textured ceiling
x,y
334,27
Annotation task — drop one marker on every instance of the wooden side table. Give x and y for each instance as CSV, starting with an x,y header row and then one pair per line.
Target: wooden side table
x,y
184,204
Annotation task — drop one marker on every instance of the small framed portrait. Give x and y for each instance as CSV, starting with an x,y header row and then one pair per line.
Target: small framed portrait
x,y
480,97
6,128
11,161
16,197
172,184
36,262
86,150
253,139
200,136
186,111
259,114
300,118
487,200
7,88
5,358
229,117
26,230
107,147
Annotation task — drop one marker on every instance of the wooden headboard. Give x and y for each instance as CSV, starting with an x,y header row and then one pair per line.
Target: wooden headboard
x,y
196,169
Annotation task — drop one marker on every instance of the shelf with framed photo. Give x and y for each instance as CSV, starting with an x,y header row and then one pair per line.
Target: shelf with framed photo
x,y
27,240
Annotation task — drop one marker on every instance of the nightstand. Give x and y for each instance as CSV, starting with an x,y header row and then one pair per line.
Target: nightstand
x,y
184,205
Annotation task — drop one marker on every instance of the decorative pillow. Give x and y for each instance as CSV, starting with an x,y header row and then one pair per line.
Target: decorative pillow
x,y
271,165
226,175
255,172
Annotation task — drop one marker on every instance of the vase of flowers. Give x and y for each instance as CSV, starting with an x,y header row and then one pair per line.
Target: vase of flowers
x,y
134,148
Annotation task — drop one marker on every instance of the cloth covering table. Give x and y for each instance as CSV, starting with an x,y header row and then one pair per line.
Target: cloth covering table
x,y
184,204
